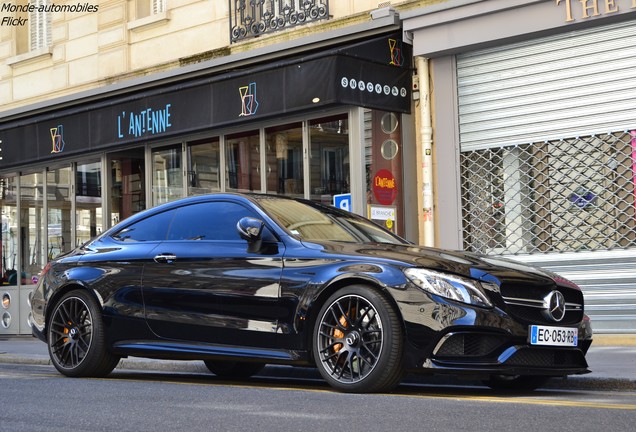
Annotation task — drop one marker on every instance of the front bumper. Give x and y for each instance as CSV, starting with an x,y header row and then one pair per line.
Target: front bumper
x,y
474,352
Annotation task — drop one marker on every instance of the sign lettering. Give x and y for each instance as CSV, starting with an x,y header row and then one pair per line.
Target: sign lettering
x,y
384,187
146,122
584,9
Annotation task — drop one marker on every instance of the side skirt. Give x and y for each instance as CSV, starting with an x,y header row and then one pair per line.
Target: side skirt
x,y
175,350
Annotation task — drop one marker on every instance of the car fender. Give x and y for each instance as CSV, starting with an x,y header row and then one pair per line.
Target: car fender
x,y
345,275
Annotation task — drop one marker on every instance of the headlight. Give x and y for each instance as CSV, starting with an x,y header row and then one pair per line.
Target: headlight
x,y
449,286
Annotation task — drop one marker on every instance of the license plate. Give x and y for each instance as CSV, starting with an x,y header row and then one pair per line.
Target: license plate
x,y
553,336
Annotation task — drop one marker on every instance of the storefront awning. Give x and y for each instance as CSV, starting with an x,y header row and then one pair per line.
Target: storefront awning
x,y
374,74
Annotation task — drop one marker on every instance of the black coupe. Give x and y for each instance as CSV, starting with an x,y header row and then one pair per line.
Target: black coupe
x,y
241,281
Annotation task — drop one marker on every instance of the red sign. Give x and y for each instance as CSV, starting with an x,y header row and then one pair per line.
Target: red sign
x,y
384,187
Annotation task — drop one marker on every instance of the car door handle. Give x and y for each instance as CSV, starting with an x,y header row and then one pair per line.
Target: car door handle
x,y
166,258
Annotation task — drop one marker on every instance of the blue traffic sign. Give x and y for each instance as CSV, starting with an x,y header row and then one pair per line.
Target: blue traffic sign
x,y
342,201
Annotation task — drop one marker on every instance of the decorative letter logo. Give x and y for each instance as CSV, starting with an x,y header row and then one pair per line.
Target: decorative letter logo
x,y
248,100
57,139
395,48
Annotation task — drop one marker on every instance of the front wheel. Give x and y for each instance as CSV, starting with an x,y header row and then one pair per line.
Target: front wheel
x,y
358,341
75,337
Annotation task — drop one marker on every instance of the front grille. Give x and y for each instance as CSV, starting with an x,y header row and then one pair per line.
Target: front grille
x,y
526,304
547,358
469,345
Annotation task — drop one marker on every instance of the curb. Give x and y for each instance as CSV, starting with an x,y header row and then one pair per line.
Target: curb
x,y
614,339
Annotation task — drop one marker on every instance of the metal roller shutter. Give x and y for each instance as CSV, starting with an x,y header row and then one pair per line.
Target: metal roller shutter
x,y
567,85
542,122
608,281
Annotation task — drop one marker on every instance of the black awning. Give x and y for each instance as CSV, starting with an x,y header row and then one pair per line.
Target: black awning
x,y
348,75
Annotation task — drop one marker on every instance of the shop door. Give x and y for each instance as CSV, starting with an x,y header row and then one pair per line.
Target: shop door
x,y
127,182
384,170
88,201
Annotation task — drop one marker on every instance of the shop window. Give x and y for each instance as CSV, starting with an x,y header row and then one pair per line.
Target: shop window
x,y
383,166
9,246
204,158
242,160
127,181
329,158
88,201
58,185
167,175
565,195
32,227
284,160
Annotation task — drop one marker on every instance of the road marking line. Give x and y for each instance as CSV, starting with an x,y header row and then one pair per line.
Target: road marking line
x,y
491,399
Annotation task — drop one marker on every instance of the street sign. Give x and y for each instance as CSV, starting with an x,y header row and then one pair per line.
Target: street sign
x,y
342,201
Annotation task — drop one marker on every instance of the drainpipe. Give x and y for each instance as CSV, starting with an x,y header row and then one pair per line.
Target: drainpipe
x,y
426,138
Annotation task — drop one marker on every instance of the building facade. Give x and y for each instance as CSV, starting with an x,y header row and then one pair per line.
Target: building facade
x,y
534,113
114,107
503,127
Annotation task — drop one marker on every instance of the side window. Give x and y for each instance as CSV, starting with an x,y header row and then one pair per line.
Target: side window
x,y
208,221
153,228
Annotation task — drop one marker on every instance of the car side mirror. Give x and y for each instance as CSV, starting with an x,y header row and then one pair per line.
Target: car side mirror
x,y
250,229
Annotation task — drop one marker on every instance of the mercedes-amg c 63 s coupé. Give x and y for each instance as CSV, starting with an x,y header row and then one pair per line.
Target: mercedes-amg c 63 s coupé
x,y
241,281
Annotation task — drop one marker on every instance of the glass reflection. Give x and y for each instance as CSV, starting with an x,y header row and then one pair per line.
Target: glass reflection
x,y
32,220
167,175
284,145
242,153
204,159
9,249
88,201
329,158
58,185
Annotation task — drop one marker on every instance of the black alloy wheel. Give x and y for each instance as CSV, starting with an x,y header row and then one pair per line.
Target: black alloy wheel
x,y
358,341
75,337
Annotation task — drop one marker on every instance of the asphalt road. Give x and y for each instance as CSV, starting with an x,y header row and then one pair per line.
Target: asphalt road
x,y
613,367
37,398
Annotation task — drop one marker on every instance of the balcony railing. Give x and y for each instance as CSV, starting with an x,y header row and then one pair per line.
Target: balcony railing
x,y
251,18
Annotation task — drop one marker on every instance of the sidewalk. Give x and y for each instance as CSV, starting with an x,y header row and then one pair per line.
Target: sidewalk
x,y
611,359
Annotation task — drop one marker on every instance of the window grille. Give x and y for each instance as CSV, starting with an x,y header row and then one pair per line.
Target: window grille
x,y
251,18
566,195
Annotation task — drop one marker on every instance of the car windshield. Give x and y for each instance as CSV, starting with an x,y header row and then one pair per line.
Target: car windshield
x,y
314,222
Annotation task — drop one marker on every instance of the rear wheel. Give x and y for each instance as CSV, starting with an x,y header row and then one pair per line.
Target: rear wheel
x,y
76,337
516,382
358,341
232,369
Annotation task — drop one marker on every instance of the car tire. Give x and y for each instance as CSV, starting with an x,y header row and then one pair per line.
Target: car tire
x,y
516,382
358,341
75,337
232,369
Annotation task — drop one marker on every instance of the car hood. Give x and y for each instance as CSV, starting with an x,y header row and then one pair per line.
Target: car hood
x,y
486,268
